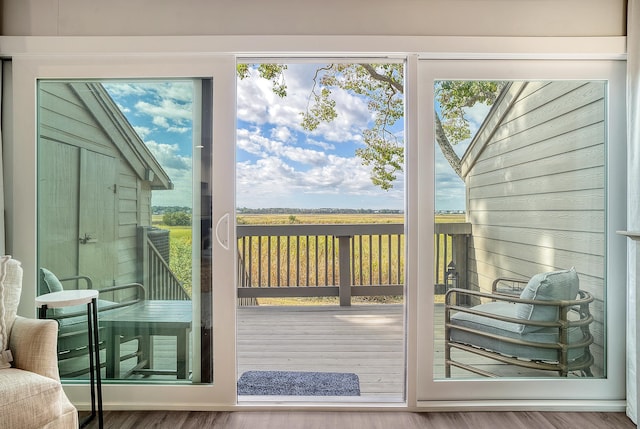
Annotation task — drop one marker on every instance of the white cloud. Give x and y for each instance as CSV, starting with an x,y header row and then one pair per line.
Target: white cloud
x,y
124,89
338,182
476,115
282,133
323,145
259,105
179,130
168,156
166,108
161,121
143,132
292,168
255,143
450,191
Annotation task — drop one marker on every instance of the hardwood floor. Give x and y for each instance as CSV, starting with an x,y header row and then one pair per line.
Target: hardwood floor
x,y
361,420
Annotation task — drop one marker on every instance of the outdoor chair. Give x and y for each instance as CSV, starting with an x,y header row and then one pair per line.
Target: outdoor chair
x,y
72,321
545,327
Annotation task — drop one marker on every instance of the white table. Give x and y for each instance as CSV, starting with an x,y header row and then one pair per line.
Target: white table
x,y
69,298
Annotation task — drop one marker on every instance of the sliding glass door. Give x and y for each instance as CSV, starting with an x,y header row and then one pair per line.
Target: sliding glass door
x,y
526,160
128,162
118,212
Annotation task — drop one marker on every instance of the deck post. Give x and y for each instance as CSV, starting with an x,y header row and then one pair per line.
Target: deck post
x,y
344,261
460,259
142,258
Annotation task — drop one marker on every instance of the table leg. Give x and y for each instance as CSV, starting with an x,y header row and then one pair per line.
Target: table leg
x,y
113,353
94,363
96,346
182,353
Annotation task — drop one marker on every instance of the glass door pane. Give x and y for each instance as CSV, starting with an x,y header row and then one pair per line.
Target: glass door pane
x,y
320,231
520,229
521,298
124,208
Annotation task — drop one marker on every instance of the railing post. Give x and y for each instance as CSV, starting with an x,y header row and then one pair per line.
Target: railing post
x,y
143,258
460,260
344,260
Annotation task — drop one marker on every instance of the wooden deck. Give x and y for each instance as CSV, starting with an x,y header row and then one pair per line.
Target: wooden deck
x,y
367,340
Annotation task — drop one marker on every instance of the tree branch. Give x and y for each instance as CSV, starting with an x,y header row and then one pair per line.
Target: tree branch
x,y
398,86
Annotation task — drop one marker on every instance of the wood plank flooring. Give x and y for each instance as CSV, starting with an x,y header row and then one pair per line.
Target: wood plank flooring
x,y
359,420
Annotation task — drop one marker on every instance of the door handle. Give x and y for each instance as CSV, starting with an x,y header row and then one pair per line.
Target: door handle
x,y
86,239
222,226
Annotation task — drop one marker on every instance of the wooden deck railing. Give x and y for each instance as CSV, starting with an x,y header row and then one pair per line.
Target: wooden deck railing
x,y
156,277
336,260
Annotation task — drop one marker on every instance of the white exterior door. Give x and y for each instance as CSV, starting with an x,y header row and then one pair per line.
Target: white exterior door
x,y
95,211
532,200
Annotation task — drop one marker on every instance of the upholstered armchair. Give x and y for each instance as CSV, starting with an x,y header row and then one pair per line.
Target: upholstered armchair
x,y
31,395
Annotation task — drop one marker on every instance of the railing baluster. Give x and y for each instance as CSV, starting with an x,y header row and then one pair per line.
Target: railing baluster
x,y
288,260
379,259
326,259
308,261
279,256
298,260
333,256
437,252
445,259
399,267
316,267
260,261
269,270
389,259
251,261
370,258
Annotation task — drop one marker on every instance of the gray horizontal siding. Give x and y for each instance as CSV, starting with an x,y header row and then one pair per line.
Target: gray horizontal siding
x,y
64,118
536,189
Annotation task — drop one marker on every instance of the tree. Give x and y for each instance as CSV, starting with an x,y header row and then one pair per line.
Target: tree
x,y
383,86
176,219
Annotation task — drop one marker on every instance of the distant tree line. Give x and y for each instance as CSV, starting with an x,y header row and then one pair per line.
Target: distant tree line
x,y
158,210
282,210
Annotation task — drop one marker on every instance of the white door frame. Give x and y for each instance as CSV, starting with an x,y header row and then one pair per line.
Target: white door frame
x,y
26,72
191,56
530,393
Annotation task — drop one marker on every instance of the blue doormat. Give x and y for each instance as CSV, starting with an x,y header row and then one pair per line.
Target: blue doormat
x,y
296,383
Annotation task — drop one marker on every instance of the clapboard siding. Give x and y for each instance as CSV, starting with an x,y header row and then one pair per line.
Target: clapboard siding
x,y
561,105
62,119
535,179
588,221
559,153
127,224
561,240
588,199
82,115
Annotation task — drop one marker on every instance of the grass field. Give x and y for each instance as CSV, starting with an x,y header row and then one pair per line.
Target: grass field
x,y
181,241
317,219
283,219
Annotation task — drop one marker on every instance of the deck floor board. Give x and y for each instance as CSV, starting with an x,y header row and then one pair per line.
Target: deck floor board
x,y
367,340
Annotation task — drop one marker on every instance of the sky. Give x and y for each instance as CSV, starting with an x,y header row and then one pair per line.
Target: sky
x,y
278,164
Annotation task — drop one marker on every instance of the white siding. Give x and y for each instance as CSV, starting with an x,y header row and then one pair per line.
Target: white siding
x,y
535,190
65,119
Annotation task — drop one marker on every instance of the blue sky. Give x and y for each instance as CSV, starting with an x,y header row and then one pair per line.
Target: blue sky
x,y
278,163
